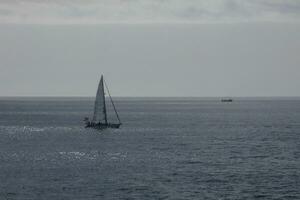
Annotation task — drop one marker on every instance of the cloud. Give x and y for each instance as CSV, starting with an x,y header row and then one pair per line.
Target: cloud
x,y
142,11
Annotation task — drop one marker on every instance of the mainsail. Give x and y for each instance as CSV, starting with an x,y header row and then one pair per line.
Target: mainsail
x,y
100,108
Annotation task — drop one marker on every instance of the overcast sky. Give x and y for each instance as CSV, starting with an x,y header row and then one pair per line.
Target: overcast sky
x,y
150,48
141,11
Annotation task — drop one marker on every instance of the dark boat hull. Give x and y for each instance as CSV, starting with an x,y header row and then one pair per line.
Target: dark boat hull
x,y
102,126
227,100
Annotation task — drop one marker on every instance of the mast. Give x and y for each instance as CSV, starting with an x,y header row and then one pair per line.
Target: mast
x,y
112,102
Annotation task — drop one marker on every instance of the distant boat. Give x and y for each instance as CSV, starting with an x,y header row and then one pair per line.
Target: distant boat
x,y
226,100
100,115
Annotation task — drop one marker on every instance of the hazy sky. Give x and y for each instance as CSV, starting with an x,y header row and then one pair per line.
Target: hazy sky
x,y
150,48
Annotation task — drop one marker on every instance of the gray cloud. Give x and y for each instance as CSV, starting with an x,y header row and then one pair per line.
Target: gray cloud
x,y
106,11
283,7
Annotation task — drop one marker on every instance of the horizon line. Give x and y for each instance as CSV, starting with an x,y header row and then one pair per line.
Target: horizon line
x,y
85,96
154,22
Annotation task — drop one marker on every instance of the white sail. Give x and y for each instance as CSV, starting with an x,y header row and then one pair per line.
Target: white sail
x,y
100,108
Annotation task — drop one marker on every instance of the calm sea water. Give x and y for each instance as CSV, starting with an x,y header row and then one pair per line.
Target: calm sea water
x,y
166,149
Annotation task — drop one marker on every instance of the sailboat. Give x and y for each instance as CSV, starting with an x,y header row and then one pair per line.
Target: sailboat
x,y
100,120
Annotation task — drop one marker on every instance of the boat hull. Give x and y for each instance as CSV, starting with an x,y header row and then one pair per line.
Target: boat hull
x,y
101,126
227,100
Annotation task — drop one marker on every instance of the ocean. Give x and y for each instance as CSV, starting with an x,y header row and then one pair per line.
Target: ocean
x,y
167,148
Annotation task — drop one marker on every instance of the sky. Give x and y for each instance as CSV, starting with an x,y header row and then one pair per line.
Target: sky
x,y
150,48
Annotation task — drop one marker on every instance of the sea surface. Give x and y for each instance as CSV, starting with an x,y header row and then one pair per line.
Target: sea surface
x,y
167,148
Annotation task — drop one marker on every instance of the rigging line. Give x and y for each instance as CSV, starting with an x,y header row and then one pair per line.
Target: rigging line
x,y
112,101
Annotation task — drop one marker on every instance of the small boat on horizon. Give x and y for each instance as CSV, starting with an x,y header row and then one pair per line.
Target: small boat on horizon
x,y
100,120
227,100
